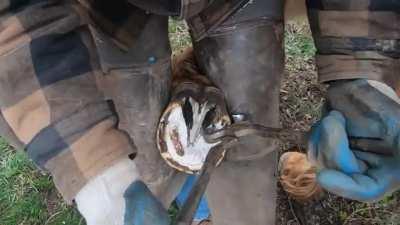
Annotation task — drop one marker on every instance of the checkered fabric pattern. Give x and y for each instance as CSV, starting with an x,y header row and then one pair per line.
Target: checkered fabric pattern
x,y
357,39
50,102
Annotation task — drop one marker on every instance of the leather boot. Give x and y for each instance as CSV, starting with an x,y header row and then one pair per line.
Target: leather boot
x,y
244,57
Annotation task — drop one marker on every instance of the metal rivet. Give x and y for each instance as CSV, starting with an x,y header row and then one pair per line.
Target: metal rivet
x,y
238,117
152,59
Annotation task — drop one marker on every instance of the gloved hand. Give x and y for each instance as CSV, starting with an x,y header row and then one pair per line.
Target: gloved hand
x,y
118,197
369,111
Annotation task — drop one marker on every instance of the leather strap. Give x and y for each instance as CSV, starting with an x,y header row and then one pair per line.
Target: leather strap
x,y
211,17
356,39
190,8
333,45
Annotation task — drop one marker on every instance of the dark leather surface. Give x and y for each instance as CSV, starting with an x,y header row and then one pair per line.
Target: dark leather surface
x,y
244,58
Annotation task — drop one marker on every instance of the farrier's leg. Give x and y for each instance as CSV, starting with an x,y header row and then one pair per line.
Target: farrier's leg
x,y
50,103
244,57
135,57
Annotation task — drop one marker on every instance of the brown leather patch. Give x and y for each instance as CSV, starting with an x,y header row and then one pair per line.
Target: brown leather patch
x,y
69,96
12,35
66,174
29,116
212,17
370,66
95,151
99,148
17,77
359,24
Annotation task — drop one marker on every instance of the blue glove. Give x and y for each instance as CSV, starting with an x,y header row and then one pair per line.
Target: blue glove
x,y
142,208
368,113
351,174
371,109
329,146
203,212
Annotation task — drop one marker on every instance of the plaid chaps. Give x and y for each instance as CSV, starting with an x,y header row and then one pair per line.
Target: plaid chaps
x,y
53,85
357,39
50,101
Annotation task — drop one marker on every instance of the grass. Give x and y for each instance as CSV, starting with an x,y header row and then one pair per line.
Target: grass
x,y
178,35
28,197
301,94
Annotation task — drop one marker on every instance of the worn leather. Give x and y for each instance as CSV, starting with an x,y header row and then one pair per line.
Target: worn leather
x,y
244,58
356,40
159,7
190,8
205,22
138,83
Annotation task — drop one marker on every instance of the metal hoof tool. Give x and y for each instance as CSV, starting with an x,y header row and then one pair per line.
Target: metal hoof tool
x,y
195,135
231,135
